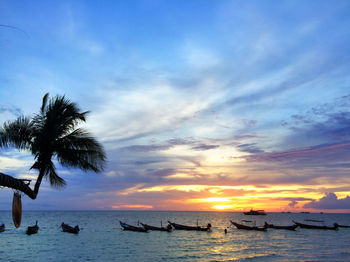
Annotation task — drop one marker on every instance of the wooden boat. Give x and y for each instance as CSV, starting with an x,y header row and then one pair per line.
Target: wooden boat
x,y
2,228
32,229
255,213
70,229
292,227
240,226
132,228
343,226
301,225
193,228
148,227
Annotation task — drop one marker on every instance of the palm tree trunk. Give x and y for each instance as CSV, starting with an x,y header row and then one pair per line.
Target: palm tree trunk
x,y
37,183
18,184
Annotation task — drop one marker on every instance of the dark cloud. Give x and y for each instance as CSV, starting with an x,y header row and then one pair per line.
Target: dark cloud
x,y
293,203
204,147
330,201
181,141
161,172
326,122
249,148
326,153
146,148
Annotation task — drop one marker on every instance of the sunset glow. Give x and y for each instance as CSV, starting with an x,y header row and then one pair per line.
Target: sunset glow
x,y
200,105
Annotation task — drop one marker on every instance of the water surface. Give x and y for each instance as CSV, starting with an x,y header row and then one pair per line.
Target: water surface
x,y
101,238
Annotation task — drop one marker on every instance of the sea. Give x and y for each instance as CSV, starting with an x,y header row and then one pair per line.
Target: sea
x,y
102,239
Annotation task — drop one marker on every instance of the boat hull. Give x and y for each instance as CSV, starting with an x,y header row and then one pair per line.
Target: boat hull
x,y
255,213
128,227
308,226
292,227
148,227
69,229
191,228
240,226
32,230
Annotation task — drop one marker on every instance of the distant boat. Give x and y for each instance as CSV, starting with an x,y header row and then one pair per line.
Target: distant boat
x,y
240,226
343,226
32,229
193,228
148,227
255,213
2,228
70,229
292,227
301,225
128,227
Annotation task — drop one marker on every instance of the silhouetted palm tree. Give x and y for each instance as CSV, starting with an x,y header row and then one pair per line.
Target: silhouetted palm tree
x,y
52,135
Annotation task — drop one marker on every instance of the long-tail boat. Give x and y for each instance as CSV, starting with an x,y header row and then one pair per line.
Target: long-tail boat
x,y
70,229
132,228
149,227
301,225
292,227
193,228
2,228
343,226
32,229
241,226
255,213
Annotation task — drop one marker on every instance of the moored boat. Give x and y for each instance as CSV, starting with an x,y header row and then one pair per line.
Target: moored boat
x,y
193,228
2,228
32,229
132,228
70,229
301,225
255,213
149,227
245,227
291,227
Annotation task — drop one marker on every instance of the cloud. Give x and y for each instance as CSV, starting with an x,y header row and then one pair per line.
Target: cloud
x,y
325,122
293,203
329,201
11,109
146,148
127,207
326,152
249,148
203,147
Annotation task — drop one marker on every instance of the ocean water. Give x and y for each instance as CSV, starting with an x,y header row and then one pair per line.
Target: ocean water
x,y
102,239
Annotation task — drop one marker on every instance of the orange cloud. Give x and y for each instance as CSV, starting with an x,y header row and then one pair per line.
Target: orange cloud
x,y
132,207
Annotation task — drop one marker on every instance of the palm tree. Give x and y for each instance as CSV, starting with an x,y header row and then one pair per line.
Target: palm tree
x,y
52,135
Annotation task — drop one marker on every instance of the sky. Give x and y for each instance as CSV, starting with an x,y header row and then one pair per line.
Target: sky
x,y
200,105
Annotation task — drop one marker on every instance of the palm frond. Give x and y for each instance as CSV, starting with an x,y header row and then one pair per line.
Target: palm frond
x,y
55,180
58,117
43,106
17,133
48,170
80,149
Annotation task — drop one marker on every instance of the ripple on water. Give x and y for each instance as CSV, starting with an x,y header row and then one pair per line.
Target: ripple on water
x,y
101,239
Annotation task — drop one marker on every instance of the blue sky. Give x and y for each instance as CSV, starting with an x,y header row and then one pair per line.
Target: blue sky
x,y
233,104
